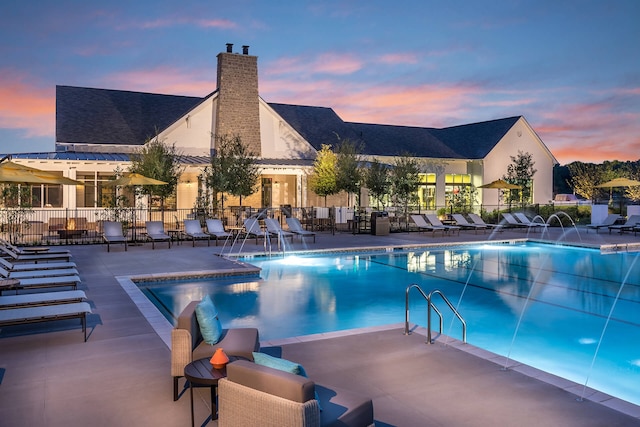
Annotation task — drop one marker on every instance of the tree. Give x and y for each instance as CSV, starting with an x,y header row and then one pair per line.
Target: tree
x,y
348,173
233,169
584,178
521,172
323,178
159,161
404,181
376,179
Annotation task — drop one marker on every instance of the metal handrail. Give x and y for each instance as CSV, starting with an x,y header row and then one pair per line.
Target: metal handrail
x,y
431,306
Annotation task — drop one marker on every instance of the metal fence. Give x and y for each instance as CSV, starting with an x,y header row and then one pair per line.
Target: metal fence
x,y
84,225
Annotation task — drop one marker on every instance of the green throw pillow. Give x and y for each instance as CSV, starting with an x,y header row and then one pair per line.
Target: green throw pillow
x,y
282,365
207,315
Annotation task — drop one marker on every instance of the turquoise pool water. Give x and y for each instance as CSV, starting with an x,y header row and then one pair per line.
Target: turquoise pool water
x,y
551,307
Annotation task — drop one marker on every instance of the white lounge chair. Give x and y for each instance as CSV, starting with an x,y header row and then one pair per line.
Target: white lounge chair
x,y
24,315
433,219
33,267
295,226
16,257
461,221
629,225
68,280
477,219
215,228
113,234
252,228
41,298
423,225
193,230
526,221
29,274
611,219
512,221
156,233
274,229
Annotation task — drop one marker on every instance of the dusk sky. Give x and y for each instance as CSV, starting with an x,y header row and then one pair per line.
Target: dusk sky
x,y
571,68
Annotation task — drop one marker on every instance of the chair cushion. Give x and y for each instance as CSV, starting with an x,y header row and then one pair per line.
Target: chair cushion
x,y
210,326
241,342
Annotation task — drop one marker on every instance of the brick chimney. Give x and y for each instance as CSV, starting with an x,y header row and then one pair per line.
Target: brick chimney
x,y
238,108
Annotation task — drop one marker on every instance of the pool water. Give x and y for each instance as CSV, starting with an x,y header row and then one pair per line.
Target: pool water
x,y
549,306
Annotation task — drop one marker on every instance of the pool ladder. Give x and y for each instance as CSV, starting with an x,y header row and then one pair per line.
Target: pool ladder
x,y
432,306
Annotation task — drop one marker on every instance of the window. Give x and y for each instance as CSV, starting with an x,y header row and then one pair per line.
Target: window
x,y
427,190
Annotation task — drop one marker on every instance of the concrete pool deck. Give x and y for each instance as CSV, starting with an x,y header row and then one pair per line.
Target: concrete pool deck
x,y
120,376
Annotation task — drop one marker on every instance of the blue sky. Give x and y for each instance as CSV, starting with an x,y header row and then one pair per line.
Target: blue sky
x,y
571,68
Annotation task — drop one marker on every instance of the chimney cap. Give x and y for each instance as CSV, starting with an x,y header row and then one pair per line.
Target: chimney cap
x,y
245,50
229,47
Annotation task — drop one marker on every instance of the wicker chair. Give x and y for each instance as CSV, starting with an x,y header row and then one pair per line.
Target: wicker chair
x,y
187,344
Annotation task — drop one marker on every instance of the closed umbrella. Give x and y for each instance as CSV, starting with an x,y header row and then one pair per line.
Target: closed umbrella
x,y
500,184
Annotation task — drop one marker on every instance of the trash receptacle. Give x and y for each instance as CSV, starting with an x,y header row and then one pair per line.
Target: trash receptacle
x,y
380,223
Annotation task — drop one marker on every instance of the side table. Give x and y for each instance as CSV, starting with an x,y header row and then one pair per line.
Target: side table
x,y
200,373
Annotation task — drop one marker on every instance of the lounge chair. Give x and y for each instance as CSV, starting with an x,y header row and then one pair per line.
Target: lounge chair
x,y
295,226
112,233
46,313
215,228
525,220
629,225
461,221
274,229
66,280
423,225
512,221
433,219
611,219
477,219
193,230
156,233
29,274
32,266
252,229
41,298
15,257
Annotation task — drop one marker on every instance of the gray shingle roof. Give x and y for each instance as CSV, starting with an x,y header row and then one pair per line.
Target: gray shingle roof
x,y
102,116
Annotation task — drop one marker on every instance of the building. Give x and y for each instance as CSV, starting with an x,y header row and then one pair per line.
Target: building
x,y
97,130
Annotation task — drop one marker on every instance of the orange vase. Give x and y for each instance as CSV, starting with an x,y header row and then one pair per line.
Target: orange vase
x,y
219,359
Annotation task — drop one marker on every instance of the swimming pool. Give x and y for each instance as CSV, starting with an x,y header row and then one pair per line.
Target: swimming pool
x,y
547,306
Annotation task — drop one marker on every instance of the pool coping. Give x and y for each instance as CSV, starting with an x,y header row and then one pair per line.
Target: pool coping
x,y
163,327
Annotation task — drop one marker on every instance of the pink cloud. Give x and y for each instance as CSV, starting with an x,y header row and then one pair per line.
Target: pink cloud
x,y
25,106
399,58
166,80
327,63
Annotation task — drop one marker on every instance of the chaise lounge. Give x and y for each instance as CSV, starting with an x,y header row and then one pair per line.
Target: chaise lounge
x,y
253,394
187,343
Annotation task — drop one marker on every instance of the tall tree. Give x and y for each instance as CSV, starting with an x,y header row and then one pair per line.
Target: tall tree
x,y
348,173
404,180
159,161
584,178
376,179
521,171
323,178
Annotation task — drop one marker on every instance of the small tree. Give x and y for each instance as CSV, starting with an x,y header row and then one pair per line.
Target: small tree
x,y
159,161
16,207
323,178
584,178
404,180
348,173
233,169
376,179
521,172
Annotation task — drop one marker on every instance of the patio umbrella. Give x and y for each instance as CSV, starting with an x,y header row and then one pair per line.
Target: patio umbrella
x,y
11,172
135,179
500,184
618,182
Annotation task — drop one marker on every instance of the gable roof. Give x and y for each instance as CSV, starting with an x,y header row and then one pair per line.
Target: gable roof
x,y
103,116
321,125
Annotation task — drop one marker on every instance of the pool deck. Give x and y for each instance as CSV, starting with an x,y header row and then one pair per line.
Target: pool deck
x,y
121,375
